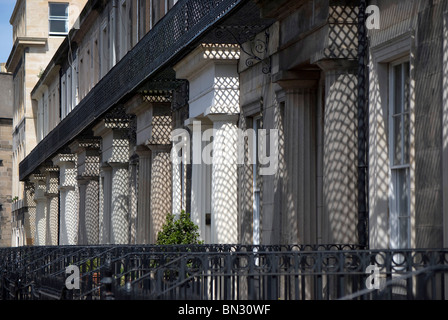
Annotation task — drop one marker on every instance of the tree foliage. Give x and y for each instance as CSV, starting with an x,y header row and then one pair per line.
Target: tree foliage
x,y
179,231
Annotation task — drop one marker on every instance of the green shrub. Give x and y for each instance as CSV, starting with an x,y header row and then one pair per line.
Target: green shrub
x,y
179,231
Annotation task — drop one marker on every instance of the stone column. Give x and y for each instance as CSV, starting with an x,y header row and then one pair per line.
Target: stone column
x,y
133,198
52,195
340,152
82,233
30,214
161,185
68,188
39,181
115,153
88,230
143,110
120,203
91,210
105,204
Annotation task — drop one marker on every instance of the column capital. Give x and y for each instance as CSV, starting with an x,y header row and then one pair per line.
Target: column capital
x,y
293,80
120,165
38,178
206,123
204,55
338,65
105,166
86,179
66,187
51,195
52,182
39,181
143,151
217,117
137,105
100,129
51,170
159,147
82,180
65,158
39,197
80,145
107,126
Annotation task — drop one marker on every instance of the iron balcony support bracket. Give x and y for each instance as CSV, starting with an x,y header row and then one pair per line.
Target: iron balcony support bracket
x,y
254,47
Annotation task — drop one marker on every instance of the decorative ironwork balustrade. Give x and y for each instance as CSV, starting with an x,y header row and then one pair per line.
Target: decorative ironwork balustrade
x,y
223,272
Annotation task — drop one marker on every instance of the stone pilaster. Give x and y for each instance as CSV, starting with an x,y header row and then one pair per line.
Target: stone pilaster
x,y
133,197
52,195
144,195
300,221
428,127
30,214
201,178
224,197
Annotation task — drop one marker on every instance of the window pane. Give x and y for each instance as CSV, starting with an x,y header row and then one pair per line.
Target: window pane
x,y
58,10
407,86
398,145
403,240
407,142
58,20
398,90
402,193
400,210
58,26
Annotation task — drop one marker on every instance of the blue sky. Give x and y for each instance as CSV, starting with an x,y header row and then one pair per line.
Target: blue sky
x,y
6,7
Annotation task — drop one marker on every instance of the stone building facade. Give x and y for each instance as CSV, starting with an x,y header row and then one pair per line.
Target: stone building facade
x,y
39,28
408,174
8,229
150,89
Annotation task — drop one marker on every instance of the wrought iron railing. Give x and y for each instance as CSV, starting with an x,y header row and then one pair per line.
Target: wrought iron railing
x,y
223,272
